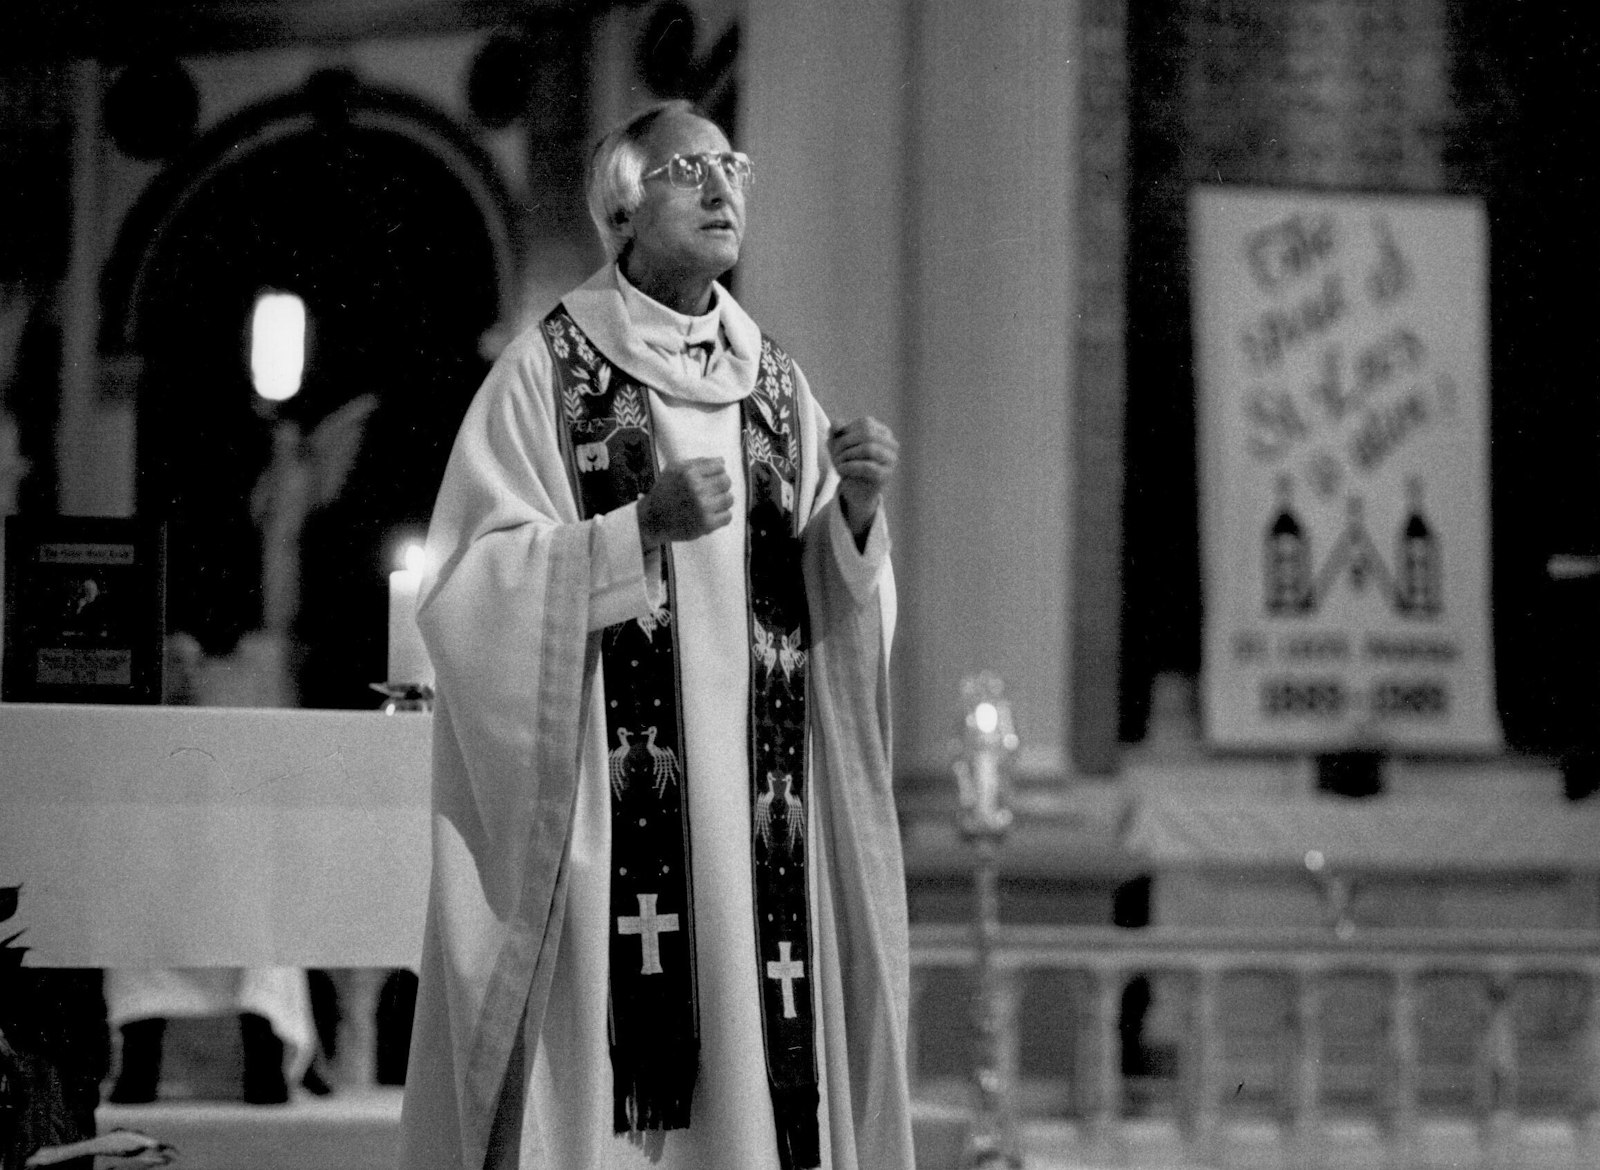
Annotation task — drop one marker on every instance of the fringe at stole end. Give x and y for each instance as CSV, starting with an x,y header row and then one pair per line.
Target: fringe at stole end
x,y
651,1095
795,1112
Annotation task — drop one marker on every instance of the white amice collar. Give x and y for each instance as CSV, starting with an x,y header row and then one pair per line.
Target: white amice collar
x,y
664,348
663,327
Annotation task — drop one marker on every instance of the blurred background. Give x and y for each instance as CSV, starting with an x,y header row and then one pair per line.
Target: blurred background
x,y
971,220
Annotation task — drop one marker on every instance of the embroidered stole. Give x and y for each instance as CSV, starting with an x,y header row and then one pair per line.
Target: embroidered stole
x,y
608,442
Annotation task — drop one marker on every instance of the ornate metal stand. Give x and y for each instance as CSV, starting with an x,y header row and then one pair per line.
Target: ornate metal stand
x,y
401,698
987,743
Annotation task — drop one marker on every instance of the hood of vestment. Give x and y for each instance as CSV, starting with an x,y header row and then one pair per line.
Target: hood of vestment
x,y
710,359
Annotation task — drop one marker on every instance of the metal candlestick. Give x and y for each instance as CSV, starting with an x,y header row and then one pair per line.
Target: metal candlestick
x,y
403,698
982,755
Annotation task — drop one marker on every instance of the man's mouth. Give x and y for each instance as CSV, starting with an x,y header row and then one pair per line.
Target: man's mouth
x,y
717,225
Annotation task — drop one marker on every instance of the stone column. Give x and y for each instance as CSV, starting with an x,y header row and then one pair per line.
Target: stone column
x,y
95,436
913,243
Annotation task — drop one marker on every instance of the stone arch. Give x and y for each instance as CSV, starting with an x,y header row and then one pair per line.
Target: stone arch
x,y
326,96
394,225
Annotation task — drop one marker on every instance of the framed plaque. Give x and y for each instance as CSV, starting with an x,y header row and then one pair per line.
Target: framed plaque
x,y
85,608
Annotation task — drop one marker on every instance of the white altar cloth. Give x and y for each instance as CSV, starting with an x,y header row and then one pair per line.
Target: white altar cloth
x,y
199,837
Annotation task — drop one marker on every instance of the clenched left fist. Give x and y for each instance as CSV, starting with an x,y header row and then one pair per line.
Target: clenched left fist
x,y
864,453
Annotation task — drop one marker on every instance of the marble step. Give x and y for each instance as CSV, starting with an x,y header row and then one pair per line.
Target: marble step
x,y
354,1129
358,1129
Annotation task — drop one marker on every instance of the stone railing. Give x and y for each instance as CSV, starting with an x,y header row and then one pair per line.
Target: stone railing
x,y
1474,1047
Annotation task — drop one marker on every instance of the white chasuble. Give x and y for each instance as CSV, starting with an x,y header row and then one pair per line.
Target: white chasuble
x,y
510,1064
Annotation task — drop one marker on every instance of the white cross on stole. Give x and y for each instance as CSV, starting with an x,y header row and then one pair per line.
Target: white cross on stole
x,y
787,970
650,927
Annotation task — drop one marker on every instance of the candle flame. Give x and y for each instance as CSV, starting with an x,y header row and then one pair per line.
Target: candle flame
x,y
412,558
986,716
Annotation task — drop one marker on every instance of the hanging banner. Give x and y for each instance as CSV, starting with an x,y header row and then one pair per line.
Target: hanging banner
x,y
1342,366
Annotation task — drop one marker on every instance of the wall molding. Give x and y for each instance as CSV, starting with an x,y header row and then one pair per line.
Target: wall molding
x,y
1098,387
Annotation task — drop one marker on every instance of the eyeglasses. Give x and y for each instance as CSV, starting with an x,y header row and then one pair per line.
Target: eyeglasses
x,y
690,172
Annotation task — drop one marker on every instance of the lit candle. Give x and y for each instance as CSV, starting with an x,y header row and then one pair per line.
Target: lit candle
x,y
408,657
986,765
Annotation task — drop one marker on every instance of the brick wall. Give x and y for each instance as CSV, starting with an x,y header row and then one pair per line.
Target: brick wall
x,y
1326,93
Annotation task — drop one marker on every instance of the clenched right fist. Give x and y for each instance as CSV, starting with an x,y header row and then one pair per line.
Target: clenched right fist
x,y
689,499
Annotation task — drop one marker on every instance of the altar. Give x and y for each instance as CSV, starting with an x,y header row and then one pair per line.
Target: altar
x,y
1487,844
206,837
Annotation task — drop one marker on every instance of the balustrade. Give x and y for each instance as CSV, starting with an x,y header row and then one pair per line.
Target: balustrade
x,y
1404,1055
1508,1127
1205,1080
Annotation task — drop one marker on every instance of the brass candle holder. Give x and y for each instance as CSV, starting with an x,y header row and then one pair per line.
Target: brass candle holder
x,y
404,698
982,758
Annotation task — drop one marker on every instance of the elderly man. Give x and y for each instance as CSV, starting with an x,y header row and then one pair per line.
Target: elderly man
x,y
667,918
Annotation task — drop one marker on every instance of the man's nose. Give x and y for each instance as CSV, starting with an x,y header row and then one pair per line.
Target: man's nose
x,y
716,189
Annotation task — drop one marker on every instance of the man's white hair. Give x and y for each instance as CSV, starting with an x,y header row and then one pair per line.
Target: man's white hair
x,y
615,191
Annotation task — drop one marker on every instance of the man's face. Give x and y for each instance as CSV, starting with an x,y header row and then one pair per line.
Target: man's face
x,y
682,233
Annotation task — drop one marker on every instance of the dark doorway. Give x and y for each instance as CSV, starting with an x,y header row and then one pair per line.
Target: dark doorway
x,y
397,267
